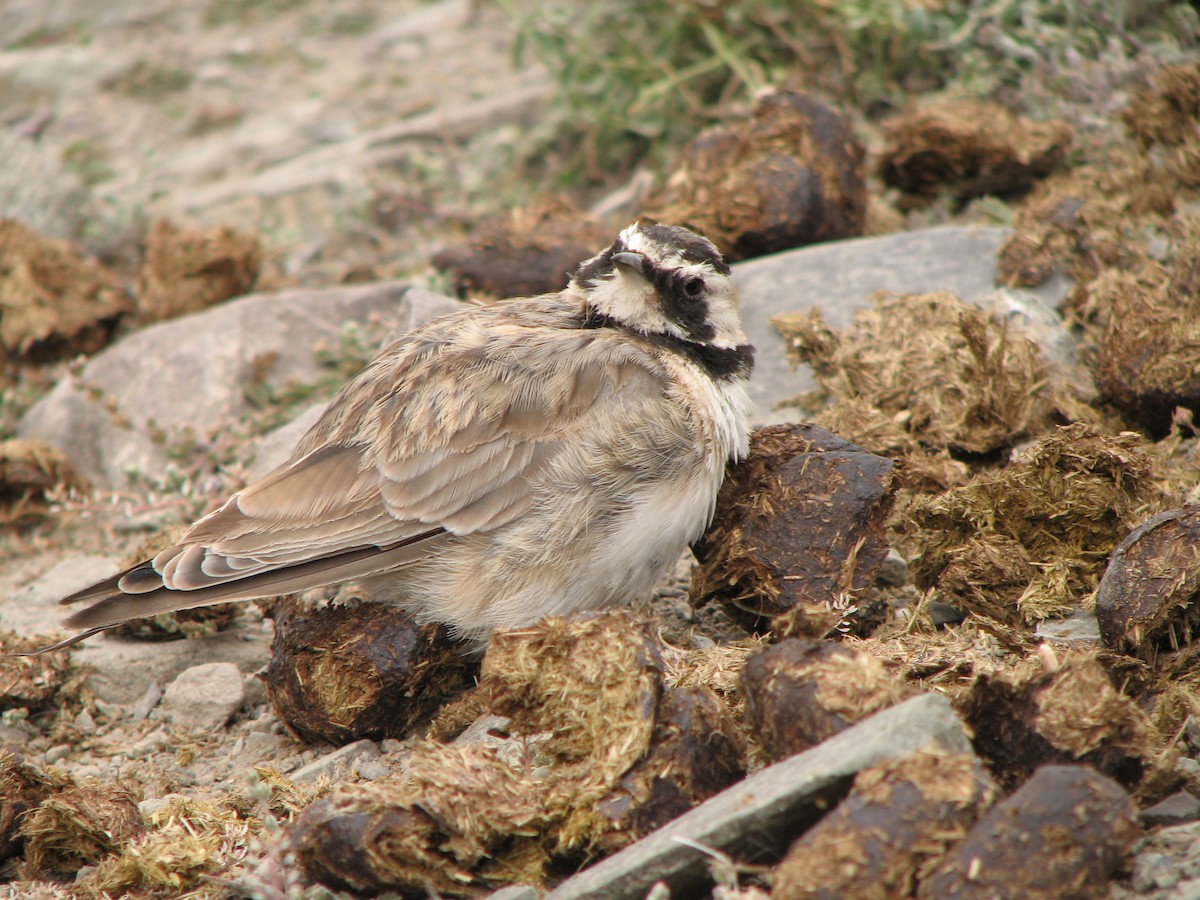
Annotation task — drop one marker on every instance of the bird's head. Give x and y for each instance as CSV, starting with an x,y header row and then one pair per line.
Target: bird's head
x,y
663,280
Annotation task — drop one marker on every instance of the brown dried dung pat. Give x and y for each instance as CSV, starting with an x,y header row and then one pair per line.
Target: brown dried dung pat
x,y
1062,836
78,826
31,473
52,301
1082,222
23,786
898,819
1029,717
792,175
693,754
1148,602
188,840
30,682
530,250
974,148
799,532
800,692
459,818
186,270
342,673
1028,541
594,685
453,811
1166,117
1149,360
945,372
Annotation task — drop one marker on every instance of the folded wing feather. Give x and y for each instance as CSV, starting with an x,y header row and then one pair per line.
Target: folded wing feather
x,y
345,509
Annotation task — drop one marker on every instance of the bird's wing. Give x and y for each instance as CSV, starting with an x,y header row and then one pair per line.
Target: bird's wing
x,y
447,434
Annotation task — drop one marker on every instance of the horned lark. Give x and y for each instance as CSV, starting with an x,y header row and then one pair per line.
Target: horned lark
x,y
536,456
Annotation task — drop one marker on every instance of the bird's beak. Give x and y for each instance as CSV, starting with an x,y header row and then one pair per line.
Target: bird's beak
x,y
634,261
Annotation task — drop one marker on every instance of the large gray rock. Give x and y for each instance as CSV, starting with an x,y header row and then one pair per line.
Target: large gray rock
x,y
340,763
191,373
37,190
764,812
122,670
203,697
839,277
33,609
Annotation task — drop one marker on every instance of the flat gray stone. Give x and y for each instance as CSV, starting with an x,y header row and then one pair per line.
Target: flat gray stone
x,y
1081,625
34,608
203,697
36,189
191,373
341,763
125,671
839,277
762,814
1177,809
514,892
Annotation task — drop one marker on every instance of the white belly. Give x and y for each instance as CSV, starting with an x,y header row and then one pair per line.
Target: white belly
x,y
584,548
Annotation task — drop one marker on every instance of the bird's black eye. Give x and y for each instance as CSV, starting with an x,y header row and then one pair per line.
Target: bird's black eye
x,y
694,287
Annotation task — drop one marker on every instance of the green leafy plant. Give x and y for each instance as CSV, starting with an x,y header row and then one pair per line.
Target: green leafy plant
x,y
635,76
87,160
636,79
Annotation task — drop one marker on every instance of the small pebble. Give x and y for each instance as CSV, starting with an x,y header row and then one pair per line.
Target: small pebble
x,y
513,892
1187,767
266,723
260,745
150,744
1177,809
147,702
112,711
1081,625
11,735
84,721
481,731
893,571
943,614
150,806
370,769
338,764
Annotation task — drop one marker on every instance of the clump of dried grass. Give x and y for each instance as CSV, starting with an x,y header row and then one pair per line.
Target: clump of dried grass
x,y
1030,540
460,816
922,378
187,839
